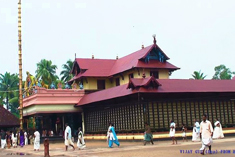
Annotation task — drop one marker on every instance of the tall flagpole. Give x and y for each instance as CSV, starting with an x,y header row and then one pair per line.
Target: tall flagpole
x,y
20,65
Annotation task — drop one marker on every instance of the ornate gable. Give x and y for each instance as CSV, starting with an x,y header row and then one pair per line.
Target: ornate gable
x,y
147,83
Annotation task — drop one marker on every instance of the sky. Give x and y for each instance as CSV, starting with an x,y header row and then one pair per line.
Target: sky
x,y
195,34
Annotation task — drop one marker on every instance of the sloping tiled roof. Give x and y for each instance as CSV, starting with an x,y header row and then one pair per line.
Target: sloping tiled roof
x,y
110,67
7,119
167,86
142,82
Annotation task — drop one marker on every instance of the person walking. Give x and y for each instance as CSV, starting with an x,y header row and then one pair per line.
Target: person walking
x,y
14,139
206,133
196,131
25,138
112,137
184,130
218,131
148,136
21,134
81,143
68,137
172,132
36,140
3,139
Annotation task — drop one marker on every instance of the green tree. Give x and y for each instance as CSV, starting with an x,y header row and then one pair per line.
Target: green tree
x,y
66,75
14,103
197,75
8,86
222,73
46,71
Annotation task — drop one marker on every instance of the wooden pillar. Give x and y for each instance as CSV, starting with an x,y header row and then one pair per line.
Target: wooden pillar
x,y
63,122
34,122
83,122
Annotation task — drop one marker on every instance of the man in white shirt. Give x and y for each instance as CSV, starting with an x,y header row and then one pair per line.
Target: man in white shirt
x,y
68,137
206,133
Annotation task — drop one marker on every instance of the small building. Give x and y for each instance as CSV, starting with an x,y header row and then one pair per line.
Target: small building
x,y
50,109
7,119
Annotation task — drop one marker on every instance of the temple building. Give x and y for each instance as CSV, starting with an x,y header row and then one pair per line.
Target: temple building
x,y
130,91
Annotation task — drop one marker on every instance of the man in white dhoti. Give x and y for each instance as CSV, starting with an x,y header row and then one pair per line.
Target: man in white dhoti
x,y
14,139
206,133
172,132
3,139
196,131
218,131
25,138
68,137
81,143
36,141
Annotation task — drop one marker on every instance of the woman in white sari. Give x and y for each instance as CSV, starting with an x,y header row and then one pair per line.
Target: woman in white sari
x,y
218,132
81,143
196,131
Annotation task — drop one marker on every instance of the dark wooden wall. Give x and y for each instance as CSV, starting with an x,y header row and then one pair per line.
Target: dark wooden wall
x,y
160,113
126,118
130,117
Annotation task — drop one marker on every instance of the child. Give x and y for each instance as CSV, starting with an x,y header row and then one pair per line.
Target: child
x,y
184,129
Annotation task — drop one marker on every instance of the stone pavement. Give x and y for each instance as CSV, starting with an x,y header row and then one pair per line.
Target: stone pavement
x,y
129,149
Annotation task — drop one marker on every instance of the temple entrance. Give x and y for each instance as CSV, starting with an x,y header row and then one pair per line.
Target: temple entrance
x,y
53,124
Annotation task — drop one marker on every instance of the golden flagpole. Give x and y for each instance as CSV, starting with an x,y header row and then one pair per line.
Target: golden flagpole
x,y
20,65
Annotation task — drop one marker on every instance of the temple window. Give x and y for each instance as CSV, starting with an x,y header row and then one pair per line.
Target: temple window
x,y
131,76
118,81
154,74
100,84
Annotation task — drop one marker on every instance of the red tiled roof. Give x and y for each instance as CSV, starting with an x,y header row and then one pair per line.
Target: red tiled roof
x,y
167,86
142,82
7,119
109,67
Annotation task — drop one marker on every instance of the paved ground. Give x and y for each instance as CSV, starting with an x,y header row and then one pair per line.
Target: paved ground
x,y
130,149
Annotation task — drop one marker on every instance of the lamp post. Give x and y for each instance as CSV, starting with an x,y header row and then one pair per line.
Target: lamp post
x,y
20,65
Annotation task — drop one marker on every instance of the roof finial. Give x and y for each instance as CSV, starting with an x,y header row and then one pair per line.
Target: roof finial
x,y
154,39
92,56
117,56
142,46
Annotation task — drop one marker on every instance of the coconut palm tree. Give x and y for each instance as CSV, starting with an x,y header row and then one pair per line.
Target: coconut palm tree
x,y
197,75
8,86
66,75
46,71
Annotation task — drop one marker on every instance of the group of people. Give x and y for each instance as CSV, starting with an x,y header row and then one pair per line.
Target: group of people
x,y
218,131
13,138
111,137
203,131
68,138
19,138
